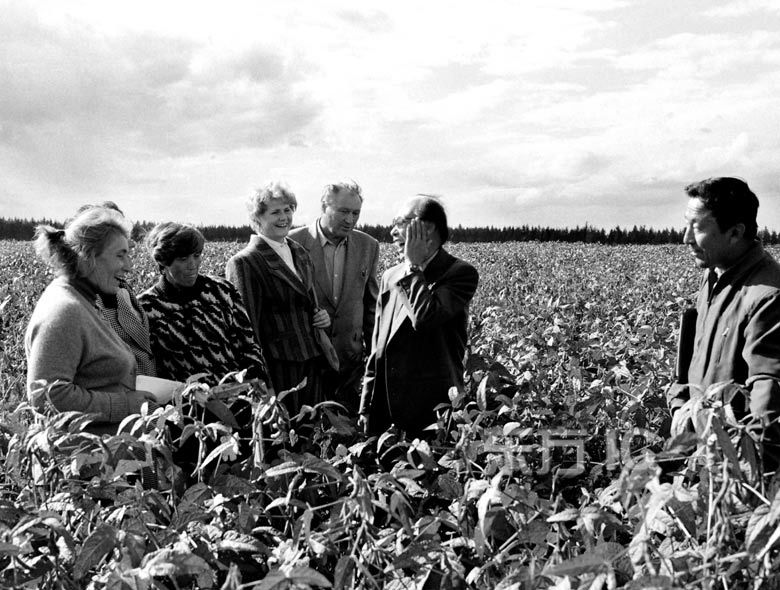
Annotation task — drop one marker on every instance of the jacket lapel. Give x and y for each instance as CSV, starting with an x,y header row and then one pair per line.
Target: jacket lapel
x,y
396,311
277,266
318,260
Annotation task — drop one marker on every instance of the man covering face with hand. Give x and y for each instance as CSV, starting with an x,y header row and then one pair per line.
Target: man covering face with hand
x,y
420,332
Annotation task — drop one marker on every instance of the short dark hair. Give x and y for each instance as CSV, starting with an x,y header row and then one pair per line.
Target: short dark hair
x,y
730,200
430,208
170,240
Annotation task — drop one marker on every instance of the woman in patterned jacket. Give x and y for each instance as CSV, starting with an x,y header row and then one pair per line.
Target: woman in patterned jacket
x,y
197,323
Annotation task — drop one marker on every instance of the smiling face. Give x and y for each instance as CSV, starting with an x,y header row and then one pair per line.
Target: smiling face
x,y
711,247
340,215
111,265
183,271
276,222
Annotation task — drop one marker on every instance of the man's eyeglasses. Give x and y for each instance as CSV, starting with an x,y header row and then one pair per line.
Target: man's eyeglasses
x,y
403,221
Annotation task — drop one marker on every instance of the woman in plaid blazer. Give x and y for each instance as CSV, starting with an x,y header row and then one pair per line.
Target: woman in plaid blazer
x,y
275,277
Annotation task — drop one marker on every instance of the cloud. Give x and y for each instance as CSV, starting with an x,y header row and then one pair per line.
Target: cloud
x,y
741,8
546,111
82,108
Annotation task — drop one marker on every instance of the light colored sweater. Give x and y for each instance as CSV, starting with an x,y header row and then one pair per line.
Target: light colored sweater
x,y
69,341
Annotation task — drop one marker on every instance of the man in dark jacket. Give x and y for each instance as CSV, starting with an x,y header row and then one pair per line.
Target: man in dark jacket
x,y
737,334
420,331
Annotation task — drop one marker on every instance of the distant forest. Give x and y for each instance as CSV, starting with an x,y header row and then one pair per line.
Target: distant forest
x,y
23,229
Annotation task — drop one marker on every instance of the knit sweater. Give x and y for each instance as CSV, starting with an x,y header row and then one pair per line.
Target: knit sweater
x,y
68,341
201,329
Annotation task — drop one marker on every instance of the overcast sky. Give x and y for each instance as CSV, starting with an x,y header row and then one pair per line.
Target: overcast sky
x,y
548,112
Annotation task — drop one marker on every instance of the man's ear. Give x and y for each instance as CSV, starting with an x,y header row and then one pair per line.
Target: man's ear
x,y
430,227
737,232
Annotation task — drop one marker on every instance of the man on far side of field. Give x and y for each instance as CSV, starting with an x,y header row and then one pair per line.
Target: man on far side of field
x,y
737,335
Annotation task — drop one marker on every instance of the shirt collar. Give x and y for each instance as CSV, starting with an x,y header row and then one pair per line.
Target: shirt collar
x,y
742,266
278,246
323,239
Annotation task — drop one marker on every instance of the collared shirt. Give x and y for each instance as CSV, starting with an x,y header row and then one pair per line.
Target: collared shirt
x,y
335,259
284,252
738,329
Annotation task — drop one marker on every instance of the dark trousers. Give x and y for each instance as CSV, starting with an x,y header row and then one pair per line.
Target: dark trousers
x,y
288,374
344,386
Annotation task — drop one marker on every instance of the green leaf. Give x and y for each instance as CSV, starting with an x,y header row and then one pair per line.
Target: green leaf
x,y
564,515
286,468
297,575
307,575
216,453
651,583
342,578
606,556
314,464
340,424
756,533
482,393
587,563
99,544
222,412
179,562
9,549
727,447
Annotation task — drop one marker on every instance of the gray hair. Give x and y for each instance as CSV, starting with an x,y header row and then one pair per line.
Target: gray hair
x,y
331,190
72,251
258,202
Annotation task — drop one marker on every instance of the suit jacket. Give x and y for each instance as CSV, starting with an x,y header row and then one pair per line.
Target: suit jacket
x,y
419,342
279,304
352,319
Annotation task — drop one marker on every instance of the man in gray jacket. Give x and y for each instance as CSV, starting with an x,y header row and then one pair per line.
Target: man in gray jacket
x,y
345,266
737,324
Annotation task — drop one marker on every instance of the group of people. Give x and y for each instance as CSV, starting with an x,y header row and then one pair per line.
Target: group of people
x,y
300,309
304,306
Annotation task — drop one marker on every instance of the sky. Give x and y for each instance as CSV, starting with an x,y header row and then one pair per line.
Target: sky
x,y
551,112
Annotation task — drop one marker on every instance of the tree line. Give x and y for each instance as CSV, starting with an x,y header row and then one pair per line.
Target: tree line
x,y
24,229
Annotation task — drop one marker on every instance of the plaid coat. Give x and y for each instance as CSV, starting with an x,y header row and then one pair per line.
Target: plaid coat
x,y
280,305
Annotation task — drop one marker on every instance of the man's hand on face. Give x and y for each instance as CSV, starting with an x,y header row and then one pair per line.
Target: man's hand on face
x,y
419,243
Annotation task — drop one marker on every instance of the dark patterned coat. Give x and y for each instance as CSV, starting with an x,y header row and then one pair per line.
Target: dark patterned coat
x,y
202,329
280,305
